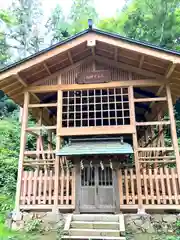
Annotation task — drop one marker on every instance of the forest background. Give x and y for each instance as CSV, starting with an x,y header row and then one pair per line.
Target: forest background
x,y
22,34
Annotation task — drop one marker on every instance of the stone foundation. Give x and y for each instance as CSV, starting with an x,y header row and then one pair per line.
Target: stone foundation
x,y
138,227
40,222
155,226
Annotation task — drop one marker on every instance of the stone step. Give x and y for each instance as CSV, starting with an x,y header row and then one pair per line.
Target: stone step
x,y
94,232
94,225
95,217
93,237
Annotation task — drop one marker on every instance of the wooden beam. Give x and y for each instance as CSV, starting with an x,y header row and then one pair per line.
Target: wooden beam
x,y
155,123
93,51
141,61
58,162
135,147
70,58
116,54
158,157
22,150
113,84
10,86
42,105
47,69
41,128
170,70
15,91
128,67
31,153
147,149
156,99
79,131
46,207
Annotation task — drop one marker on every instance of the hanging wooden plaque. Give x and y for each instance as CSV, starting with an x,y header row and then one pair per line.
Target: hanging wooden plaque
x,y
94,77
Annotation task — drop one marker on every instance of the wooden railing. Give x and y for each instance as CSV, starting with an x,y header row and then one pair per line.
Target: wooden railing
x,y
37,189
159,186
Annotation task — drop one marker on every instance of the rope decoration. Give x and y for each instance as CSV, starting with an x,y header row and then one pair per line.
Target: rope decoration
x,y
91,165
82,165
110,164
102,165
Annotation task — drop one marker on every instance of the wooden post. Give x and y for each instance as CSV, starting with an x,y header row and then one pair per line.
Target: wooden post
x,y
58,146
135,146
173,129
22,149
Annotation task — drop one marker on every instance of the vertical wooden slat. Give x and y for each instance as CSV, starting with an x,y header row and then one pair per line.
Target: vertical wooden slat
x,y
132,185
40,187
29,186
35,186
50,186
157,185
174,185
67,186
126,186
22,149
45,186
145,186
151,185
62,186
168,185
24,187
73,184
120,186
162,186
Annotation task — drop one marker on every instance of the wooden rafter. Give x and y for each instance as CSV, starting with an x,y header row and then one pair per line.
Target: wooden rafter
x,y
141,61
170,70
115,53
9,86
70,58
56,74
93,51
47,69
127,67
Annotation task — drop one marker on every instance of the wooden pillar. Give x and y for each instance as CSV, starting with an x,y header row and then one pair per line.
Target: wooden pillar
x,y
135,146
22,149
173,129
58,146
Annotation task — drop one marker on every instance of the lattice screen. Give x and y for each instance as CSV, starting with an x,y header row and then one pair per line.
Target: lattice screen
x,y
104,107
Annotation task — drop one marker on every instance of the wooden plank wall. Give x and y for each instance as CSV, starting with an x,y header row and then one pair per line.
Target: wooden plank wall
x,y
38,188
158,186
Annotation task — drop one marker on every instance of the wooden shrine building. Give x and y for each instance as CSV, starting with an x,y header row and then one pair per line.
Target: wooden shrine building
x,y
101,104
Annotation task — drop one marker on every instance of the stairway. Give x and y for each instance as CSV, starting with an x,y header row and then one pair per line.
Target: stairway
x,y
94,226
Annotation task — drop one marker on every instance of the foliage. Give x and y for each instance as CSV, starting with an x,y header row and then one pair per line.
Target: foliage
x,y
140,20
33,226
57,25
178,227
26,33
80,12
5,21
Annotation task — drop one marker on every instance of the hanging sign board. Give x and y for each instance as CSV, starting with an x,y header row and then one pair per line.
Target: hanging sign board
x,y
94,77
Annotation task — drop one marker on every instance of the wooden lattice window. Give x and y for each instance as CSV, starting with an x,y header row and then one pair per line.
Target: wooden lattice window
x,y
102,107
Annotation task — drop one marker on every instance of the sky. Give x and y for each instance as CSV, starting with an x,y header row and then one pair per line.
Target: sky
x,y
105,8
